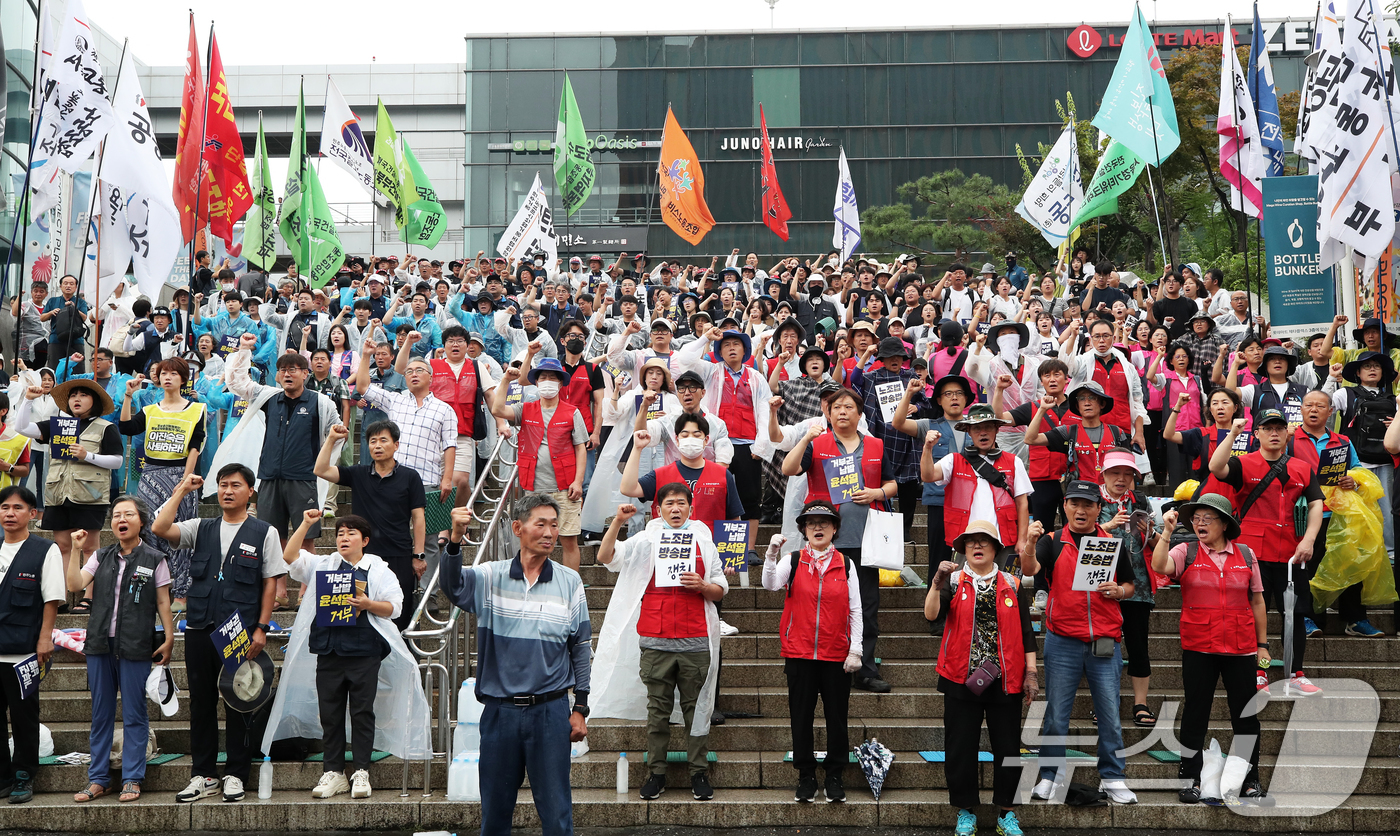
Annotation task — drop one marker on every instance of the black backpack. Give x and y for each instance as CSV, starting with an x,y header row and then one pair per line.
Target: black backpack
x,y
1366,429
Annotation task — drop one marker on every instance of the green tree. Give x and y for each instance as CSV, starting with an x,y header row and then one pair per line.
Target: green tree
x,y
948,210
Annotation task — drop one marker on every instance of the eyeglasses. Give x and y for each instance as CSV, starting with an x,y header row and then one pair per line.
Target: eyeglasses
x,y
1204,519
688,387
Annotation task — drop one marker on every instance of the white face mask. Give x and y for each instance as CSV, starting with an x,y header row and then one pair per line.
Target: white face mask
x,y
1103,355
1009,345
548,388
690,448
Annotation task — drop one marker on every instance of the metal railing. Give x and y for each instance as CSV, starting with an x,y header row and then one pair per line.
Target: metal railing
x,y
442,645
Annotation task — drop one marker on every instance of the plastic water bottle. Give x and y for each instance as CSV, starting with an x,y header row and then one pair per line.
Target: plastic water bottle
x,y
265,778
457,778
621,773
466,737
471,784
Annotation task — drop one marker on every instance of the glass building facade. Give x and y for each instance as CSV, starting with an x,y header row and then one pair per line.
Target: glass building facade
x,y
902,103
19,28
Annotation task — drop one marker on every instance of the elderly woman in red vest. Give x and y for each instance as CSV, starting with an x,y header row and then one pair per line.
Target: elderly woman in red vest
x,y
985,667
1223,630
983,483
821,630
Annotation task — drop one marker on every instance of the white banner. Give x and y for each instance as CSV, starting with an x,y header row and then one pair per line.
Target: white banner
x,y
343,141
1057,190
532,229
1317,105
846,237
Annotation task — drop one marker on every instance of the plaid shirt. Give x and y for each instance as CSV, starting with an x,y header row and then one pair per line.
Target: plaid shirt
x,y
425,432
332,387
901,454
1204,351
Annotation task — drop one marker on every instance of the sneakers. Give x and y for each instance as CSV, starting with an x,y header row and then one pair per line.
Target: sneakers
x,y
331,785
700,787
1008,824
717,718
1363,629
1303,685
1045,789
592,538
1118,792
1191,794
359,784
873,684
198,788
1310,629
233,788
727,629
835,791
22,792
1261,680
654,787
806,788
967,824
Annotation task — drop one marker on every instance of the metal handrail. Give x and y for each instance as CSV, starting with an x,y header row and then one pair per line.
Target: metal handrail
x,y
447,639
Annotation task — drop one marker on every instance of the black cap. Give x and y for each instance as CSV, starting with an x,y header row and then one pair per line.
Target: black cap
x,y
891,347
1084,489
161,311
691,377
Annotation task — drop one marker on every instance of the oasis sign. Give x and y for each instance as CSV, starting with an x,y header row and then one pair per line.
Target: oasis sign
x,y
600,142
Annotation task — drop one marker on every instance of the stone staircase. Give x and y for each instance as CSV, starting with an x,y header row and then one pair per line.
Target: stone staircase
x,y
753,785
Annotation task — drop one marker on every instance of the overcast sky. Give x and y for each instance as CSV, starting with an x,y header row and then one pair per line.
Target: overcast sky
x,y
356,31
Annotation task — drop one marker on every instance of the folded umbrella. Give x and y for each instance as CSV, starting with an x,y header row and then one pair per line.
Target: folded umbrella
x,y
875,762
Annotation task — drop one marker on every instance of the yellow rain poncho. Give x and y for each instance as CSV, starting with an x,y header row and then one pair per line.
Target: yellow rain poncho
x,y
1355,545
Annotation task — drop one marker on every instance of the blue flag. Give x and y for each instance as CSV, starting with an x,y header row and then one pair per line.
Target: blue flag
x,y
1137,107
1261,90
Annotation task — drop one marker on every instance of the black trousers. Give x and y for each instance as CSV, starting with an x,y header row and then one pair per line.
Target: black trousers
x,y
203,664
1199,674
1046,498
1156,446
962,733
808,679
1135,620
748,478
1275,578
402,567
1348,604
869,578
23,723
909,495
938,550
342,680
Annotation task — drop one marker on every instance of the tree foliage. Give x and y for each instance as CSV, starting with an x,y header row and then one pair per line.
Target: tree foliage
x,y
949,210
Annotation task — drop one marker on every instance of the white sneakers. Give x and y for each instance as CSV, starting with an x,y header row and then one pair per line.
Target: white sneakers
x,y
233,788
1045,789
333,784
726,629
359,784
199,787
1118,792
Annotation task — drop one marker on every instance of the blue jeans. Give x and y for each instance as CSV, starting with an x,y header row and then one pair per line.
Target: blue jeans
x,y
105,674
1386,473
1067,661
526,739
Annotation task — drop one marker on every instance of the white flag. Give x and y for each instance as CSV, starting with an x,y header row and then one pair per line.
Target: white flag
x,y
1317,104
76,113
342,140
1353,144
531,231
847,235
1056,192
1242,159
136,198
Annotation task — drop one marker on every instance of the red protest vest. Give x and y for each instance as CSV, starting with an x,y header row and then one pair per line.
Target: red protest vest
x,y
955,654
824,447
957,499
560,433
1216,615
1304,448
782,375
1079,615
1044,465
711,492
674,612
1115,385
579,392
736,407
458,392
816,618
1268,528
1088,459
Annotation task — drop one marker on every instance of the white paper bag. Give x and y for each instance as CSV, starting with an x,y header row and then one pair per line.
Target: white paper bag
x,y
882,547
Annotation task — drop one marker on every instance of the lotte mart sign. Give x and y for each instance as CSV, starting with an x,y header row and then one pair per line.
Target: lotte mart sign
x,y
1283,36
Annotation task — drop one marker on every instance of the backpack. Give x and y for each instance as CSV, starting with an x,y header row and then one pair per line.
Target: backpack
x,y
1366,429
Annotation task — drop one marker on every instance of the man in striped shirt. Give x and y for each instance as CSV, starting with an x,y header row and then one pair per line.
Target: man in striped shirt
x,y
532,646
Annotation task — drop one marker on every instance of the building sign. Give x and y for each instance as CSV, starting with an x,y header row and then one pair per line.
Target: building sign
x,y
601,142
1084,41
617,239
1282,36
777,142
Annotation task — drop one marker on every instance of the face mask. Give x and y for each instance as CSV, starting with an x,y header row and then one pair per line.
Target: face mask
x,y
1009,345
228,286
539,262
574,346
690,448
548,389
1103,355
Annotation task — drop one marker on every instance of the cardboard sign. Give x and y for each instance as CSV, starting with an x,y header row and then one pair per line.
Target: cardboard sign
x,y
231,641
732,542
889,395
675,555
30,674
334,589
515,394
229,345
1333,465
240,406
656,410
1097,560
842,478
63,431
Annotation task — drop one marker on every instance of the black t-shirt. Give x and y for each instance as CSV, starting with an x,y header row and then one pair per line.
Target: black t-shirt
x,y
595,375
733,508
1180,310
1047,551
203,282
1022,415
387,502
1234,477
1107,296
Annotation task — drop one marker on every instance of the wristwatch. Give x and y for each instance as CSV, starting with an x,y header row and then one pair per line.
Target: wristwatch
x,y
582,709
263,627
421,556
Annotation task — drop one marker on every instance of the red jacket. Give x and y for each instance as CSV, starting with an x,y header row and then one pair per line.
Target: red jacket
x,y
1115,385
1216,613
955,654
817,611
1045,465
1088,459
1268,527
561,444
674,612
711,492
1079,615
957,499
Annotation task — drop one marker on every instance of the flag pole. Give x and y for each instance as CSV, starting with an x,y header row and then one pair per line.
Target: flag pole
x,y
565,196
199,184
657,182
1239,172
1303,99
24,203
305,193
1152,189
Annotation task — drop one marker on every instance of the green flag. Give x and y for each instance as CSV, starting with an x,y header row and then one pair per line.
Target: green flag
x,y
260,226
426,220
289,221
1137,108
573,168
1118,170
325,255
387,179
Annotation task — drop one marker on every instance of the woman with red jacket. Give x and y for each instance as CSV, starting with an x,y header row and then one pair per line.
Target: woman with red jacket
x,y
821,648
985,666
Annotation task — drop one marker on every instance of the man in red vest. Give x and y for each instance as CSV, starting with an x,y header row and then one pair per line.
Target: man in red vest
x,y
584,387
553,442
459,382
715,495
1081,444
1267,485
985,484
1108,367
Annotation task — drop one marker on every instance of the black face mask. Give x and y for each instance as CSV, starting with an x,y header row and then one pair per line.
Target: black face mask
x,y
574,346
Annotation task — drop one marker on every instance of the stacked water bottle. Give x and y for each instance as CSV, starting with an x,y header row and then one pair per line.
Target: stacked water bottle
x,y
464,774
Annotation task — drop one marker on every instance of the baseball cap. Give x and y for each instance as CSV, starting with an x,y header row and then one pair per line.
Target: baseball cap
x,y
1084,489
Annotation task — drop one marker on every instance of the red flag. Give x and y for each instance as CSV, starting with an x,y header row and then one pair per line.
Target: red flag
x,y
189,171
775,209
229,192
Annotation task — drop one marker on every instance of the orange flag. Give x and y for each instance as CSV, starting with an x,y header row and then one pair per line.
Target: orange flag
x,y
682,185
189,171
229,193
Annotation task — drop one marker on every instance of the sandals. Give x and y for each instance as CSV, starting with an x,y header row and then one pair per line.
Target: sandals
x,y
1143,716
83,607
92,791
131,790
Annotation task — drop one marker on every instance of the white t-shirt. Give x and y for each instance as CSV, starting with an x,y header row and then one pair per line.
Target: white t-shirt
x,y
272,563
959,305
51,582
983,505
